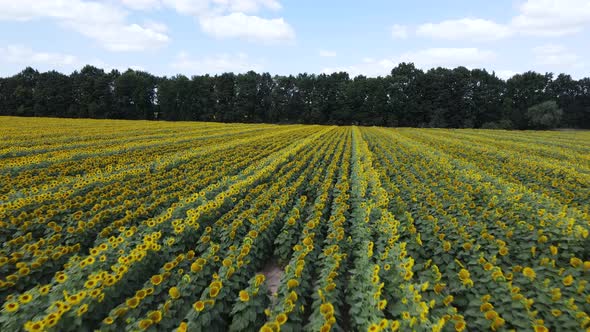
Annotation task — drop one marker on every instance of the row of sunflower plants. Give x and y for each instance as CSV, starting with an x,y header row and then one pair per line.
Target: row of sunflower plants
x,y
293,300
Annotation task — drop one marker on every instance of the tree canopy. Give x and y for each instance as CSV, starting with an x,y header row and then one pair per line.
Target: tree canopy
x,y
408,96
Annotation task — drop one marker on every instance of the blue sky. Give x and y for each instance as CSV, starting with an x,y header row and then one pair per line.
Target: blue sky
x,y
167,37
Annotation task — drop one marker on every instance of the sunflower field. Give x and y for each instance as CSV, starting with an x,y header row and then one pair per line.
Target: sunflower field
x,y
133,225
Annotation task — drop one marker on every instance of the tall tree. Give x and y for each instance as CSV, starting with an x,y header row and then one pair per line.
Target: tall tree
x,y
135,95
408,96
405,96
524,91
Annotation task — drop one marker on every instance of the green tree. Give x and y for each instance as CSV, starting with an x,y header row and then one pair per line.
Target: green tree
x,y
544,115
135,95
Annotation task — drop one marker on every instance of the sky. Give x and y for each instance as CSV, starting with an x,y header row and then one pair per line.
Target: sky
x,y
193,37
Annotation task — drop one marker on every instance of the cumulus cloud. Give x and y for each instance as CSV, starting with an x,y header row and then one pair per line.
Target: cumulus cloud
x,y
448,57
326,53
399,31
555,55
248,6
425,59
142,4
228,18
544,18
505,73
252,28
22,55
552,17
132,37
102,22
474,29
216,7
237,63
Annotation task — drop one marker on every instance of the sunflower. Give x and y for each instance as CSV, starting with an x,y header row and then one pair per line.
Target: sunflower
x,y
144,324
23,271
292,283
281,319
141,294
575,262
34,326
90,284
447,300
132,302
82,310
214,291
529,273
460,326
266,328
199,306
174,292
374,328
196,267
61,278
447,246
491,314
25,298
326,309
156,279
486,307
155,316
244,296
438,288
11,306
498,322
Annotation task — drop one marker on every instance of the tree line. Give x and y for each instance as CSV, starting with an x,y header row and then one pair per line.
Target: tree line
x,y
408,96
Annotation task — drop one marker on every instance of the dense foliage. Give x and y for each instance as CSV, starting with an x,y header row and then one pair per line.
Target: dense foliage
x,y
160,226
407,97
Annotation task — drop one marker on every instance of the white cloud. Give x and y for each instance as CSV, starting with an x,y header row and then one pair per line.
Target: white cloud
x,y
102,22
237,63
505,74
204,7
426,59
399,31
552,17
219,7
188,7
21,55
474,29
448,57
117,38
251,28
248,6
544,18
326,53
555,55
142,4
233,19
156,26
67,10
367,68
